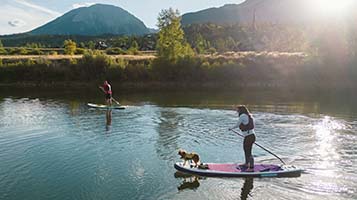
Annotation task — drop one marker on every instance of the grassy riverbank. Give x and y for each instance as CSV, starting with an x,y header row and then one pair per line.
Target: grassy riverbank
x,y
233,70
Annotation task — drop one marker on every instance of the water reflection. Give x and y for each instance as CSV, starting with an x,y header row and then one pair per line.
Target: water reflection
x,y
247,188
327,159
189,181
192,182
325,133
28,112
108,117
168,134
61,145
74,108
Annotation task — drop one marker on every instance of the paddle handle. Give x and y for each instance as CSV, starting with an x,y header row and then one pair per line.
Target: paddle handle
x,y
261,147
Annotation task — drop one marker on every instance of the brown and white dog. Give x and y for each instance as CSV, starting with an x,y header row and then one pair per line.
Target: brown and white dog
x,y
189,156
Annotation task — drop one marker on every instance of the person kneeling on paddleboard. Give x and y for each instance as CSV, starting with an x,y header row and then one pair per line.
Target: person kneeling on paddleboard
x,y
246,125
107,89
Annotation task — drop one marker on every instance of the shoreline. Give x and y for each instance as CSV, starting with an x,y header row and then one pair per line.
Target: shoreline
x,y
176,86
231,71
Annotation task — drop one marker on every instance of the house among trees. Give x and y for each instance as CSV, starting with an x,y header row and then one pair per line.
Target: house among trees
x,y
101,45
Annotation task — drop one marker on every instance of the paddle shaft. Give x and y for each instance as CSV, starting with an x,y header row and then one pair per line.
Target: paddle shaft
x,y
116,101
261,147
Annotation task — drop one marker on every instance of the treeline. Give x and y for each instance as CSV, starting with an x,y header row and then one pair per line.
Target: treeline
x,y
69,47
317,39
204,38
145,43
208,38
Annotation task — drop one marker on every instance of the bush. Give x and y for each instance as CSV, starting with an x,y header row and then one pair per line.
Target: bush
x,y
80,51
133,51
54,53
119,63
69,47
186,68
115,51
94,65
18,51
35,52
3,51
211,50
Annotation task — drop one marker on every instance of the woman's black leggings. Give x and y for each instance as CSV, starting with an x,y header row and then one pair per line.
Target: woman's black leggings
x,y
248,144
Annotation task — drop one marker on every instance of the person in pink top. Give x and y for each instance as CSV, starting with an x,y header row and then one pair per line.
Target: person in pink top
x,y
107,89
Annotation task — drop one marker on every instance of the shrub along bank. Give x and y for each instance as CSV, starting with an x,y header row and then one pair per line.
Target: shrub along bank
x,y
231,70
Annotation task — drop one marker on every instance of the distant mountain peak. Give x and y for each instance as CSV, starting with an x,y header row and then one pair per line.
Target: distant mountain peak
x,y
96,19
264,11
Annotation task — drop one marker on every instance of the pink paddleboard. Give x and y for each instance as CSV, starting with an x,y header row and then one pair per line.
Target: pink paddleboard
x,y
233,170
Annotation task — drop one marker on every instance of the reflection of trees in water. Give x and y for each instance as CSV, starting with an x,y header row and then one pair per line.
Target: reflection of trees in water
x,y
74,107
168,133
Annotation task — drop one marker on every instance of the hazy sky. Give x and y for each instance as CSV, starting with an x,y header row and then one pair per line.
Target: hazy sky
x,y
24,15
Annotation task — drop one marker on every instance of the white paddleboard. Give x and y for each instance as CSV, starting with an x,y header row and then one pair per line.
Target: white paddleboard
x,y
102,106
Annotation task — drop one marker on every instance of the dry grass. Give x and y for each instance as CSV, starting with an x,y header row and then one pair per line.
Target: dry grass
x,y
151,55
61,57
134,57
244,54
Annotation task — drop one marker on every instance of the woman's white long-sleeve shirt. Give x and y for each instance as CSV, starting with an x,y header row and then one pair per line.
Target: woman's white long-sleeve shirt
x,y
244,119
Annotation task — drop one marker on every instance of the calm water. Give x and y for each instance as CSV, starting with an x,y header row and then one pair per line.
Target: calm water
x,y
53,147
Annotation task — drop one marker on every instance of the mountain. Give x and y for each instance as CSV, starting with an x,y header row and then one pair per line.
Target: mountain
x,y
268,11
97,19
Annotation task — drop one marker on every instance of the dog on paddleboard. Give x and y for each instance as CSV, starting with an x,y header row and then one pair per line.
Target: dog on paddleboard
x,y
189,157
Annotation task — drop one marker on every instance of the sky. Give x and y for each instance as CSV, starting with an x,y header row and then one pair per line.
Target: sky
x,y
24,15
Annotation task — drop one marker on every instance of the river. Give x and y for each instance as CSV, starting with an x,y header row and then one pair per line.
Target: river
x,y
52,146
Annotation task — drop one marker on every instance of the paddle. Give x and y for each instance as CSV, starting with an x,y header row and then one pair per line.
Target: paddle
x,y
261,147
116,101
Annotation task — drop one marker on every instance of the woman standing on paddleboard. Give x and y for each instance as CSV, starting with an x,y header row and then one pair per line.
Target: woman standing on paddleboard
x,y
246,125
107,89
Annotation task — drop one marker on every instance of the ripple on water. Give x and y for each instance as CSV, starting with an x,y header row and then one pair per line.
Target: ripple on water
x,y
46,147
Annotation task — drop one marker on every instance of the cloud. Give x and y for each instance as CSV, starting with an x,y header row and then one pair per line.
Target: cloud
x,y
17,23
19,16
84,4
37,7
